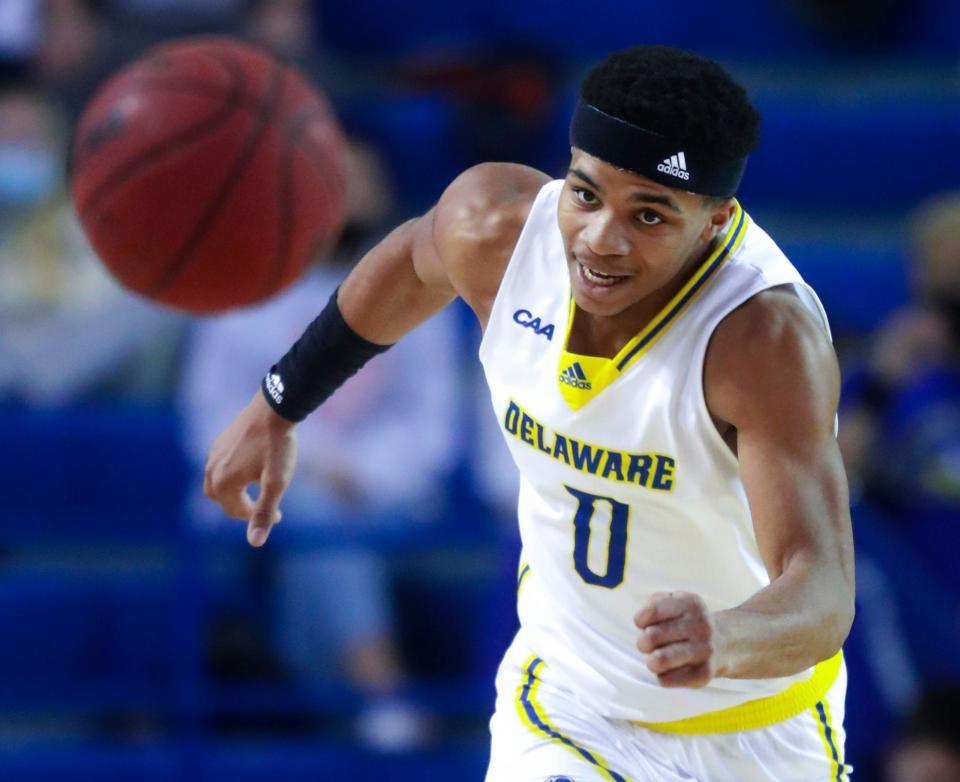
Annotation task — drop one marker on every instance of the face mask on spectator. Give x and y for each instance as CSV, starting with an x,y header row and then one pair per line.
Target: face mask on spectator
x,y
28,175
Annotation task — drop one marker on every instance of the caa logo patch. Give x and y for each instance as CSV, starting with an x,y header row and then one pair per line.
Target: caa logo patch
x,y
526,319
559,779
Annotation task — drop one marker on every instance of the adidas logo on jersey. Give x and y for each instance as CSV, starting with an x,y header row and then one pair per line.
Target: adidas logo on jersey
x,y
574,376
275,387
675,165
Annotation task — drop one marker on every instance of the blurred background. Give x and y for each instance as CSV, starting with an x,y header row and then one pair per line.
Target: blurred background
x,y
143,640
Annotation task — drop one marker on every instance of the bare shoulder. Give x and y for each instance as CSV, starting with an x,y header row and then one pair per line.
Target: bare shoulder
x,y
487,204
476,224
772,358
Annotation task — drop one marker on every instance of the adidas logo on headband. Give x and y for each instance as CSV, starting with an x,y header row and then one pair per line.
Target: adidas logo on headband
x,y
633,148
675,165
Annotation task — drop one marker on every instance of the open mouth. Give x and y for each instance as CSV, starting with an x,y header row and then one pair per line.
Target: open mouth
x,y
594,277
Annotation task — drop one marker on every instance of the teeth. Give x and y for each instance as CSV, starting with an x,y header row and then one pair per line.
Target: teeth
x,y
599,278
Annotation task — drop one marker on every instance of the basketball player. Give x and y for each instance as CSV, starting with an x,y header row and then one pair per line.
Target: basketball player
x,y
666,384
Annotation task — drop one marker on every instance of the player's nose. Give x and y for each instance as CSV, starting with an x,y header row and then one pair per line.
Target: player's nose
x,y
603,235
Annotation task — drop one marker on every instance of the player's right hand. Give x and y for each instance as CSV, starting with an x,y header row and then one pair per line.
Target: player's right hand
x,y
258,447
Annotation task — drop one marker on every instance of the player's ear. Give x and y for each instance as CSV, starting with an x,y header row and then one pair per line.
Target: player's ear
x,y
719,212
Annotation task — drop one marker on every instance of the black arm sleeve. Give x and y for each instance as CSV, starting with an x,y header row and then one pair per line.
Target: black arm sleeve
x,y
326,355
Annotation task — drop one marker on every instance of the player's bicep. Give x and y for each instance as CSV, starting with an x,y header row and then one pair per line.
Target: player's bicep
x,y
772,374
384,297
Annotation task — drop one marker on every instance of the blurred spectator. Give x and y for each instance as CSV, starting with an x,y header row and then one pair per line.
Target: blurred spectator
x,y
900,432
72,42
283,26
289,29
20,31
900,437
506,99
73,49
177,16
374,456
84,41
68,330
72,46
496,483
929,748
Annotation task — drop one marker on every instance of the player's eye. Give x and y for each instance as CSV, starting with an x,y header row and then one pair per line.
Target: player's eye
x,y
649,217
584,196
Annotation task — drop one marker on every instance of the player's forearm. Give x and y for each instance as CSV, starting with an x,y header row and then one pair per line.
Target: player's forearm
x,y
801,618
386,295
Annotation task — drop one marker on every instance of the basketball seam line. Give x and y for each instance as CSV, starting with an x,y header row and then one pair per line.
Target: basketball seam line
x,y
180,259
305,150
156,153
285,176
192,86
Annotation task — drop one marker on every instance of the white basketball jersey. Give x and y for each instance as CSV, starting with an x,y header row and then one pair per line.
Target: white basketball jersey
x,y
632,491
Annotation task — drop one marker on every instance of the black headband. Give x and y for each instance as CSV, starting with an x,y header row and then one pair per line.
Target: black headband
x,y
649,154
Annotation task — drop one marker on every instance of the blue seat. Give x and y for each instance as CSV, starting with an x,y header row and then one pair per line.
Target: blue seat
x,y
92,474
820,153
81,761
235,762
309,763
381,29
858,284
92,643
584,32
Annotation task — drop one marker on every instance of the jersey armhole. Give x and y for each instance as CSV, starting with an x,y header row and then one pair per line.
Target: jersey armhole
x,y
512,268
806,295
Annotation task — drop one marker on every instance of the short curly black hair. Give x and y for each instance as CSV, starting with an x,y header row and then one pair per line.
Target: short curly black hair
x,y
677,94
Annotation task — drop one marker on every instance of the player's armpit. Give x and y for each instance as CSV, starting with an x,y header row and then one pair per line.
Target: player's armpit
x,y
459,248
771,373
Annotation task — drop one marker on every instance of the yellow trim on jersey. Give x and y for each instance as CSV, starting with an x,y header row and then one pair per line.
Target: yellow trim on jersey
x,y
533,716
580,378
760,713
821,714
521,575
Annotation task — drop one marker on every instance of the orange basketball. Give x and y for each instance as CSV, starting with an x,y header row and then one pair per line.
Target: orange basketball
x,y
207,174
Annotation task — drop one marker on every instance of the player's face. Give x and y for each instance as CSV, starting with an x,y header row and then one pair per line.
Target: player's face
x,y
627,237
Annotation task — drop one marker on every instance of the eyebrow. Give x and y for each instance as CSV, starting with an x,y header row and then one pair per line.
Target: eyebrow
x,y
647,198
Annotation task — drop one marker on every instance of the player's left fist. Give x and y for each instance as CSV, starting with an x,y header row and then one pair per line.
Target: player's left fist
x,y
678,635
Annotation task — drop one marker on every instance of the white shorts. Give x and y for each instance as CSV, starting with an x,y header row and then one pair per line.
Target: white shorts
x,y
542,733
